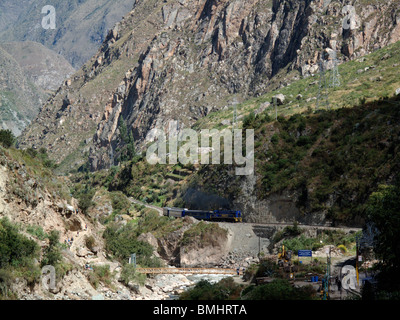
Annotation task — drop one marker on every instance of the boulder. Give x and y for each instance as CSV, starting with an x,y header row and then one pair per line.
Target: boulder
x,y
280,99
150,239
262,108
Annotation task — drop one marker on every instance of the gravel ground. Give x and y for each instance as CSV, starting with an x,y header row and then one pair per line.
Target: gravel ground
x,y
244,240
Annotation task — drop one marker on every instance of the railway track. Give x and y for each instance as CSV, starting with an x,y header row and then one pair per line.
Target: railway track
x,y
318,226
263,225
158,209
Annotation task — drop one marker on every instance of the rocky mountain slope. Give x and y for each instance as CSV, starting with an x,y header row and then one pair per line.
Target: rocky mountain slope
x,y
37,203
312,166
28,73
181,60
34,204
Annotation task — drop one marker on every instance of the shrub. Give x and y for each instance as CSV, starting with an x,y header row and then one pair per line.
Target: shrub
x,y
279,289
267,268
300,243
275,139
122,242
120,202
37,231
342,248
101,273
288,232
15,249
129,274
7,139
248,120
85,200
90,242
6,279
226,289
52,255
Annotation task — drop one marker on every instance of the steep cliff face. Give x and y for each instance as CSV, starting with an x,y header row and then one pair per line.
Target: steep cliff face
x,y
181,60
29,199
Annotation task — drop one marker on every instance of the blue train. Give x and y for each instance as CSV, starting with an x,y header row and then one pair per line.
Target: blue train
x,y
216,215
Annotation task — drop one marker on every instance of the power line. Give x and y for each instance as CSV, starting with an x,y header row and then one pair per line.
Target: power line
x,y
322,98
335,80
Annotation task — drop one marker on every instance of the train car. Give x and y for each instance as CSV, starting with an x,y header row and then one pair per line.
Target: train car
x,y
198,214
216,215
227,215
173,212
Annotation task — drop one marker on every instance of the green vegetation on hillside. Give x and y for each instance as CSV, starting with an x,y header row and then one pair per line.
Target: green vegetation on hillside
x,y
204,234
227,289
154,184
7,139
15,249
383,208
334,159
365,79
17,257
121,242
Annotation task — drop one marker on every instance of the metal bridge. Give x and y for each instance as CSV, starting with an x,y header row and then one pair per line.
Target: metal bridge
x,y
186,271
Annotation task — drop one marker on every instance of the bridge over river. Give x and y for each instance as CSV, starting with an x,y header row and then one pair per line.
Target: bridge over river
x,y
187,271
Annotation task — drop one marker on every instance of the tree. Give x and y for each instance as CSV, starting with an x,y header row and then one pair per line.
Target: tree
x,y
383,211
279,289
52,254
128,149
7,139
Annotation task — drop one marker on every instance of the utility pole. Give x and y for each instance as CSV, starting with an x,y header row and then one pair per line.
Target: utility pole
x,y
335,81
111,156
357,255
234,120
322,98
326,280
276,108
132,259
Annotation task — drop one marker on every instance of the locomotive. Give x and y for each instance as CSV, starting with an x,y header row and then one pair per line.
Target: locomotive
x,y
216,215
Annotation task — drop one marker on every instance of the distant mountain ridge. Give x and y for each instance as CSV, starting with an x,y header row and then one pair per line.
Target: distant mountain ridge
x,y
29,72
81,25
44,56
